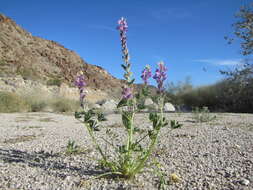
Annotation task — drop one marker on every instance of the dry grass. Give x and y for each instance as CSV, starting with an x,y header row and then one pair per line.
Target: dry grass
x,y
35,102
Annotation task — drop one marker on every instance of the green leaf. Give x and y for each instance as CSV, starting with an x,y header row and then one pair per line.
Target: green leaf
x,y
131,82
78,115
136,129
137,147
126,119
122,149
101,117
123,66
141,106
123,102
151,134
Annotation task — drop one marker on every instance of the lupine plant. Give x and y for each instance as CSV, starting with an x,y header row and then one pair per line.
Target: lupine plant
x,y
130,157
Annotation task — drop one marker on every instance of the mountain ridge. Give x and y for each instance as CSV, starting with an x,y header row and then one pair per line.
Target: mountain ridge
x,y
39,59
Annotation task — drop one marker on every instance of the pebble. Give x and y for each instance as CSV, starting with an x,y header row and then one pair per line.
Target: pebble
x,y
244,182
206,161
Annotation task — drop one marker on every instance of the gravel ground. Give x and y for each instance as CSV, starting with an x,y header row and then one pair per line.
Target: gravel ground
x,y
213,155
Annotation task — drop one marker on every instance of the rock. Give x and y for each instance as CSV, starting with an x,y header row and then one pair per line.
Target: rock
x,y
96,106
150,105
175,178
168,107
148,102
244,181
109,106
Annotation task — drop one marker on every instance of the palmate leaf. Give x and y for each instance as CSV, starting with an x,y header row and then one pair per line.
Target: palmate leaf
x,y
122,103
123,66
79,114
122,149
131,82
137,148
141,106
101,117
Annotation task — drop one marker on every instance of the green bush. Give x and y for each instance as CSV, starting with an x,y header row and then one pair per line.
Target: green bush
x,y
10,102
64,105
54,82
202,115
37,106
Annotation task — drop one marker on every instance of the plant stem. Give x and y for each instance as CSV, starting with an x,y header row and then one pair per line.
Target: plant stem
x,y
95,142
150,149
152,145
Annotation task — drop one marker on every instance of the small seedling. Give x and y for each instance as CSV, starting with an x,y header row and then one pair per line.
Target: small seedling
x,y
175,124
72,148
162,182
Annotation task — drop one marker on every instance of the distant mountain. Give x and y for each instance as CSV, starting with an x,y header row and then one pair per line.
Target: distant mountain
x,y
46,61
43,60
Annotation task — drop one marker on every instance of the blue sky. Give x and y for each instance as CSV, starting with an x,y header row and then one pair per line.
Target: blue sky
x,y
188,35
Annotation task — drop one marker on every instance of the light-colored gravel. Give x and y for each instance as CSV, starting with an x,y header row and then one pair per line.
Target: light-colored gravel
x,y
215,155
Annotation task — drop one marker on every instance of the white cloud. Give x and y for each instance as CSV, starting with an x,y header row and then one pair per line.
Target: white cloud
x,y
223,62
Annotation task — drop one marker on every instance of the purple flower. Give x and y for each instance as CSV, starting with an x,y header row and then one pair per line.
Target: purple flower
x,y
127,93
146,74
122,25
80,84
79,81
160,76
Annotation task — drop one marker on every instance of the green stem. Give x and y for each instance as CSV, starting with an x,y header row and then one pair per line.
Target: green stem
x,y
150,150
131,134
97,145
152,145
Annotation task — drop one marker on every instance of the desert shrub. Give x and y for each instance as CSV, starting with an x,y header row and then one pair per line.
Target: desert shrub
x,y
202,96
54,82
238,93
37,100
202,115
64,105
10,102
175,90
37,106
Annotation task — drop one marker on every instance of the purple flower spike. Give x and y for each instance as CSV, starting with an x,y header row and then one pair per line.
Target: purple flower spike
x,y
160,76
122,25
80,84
127,93
146,74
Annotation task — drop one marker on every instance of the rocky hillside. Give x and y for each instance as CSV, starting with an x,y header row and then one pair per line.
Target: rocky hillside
x,y
46,61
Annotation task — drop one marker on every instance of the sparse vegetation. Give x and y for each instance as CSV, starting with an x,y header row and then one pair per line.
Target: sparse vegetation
x,y
71,148
202,115
37,105
175,124
26,73
54,82
20,139
48,119
64,105
10,102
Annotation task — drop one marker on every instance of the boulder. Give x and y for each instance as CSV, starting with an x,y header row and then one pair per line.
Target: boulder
x,y
148,102
168,107
96,106
109,106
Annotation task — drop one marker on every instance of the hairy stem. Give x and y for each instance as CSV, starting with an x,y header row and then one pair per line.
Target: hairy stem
x,y
96,144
